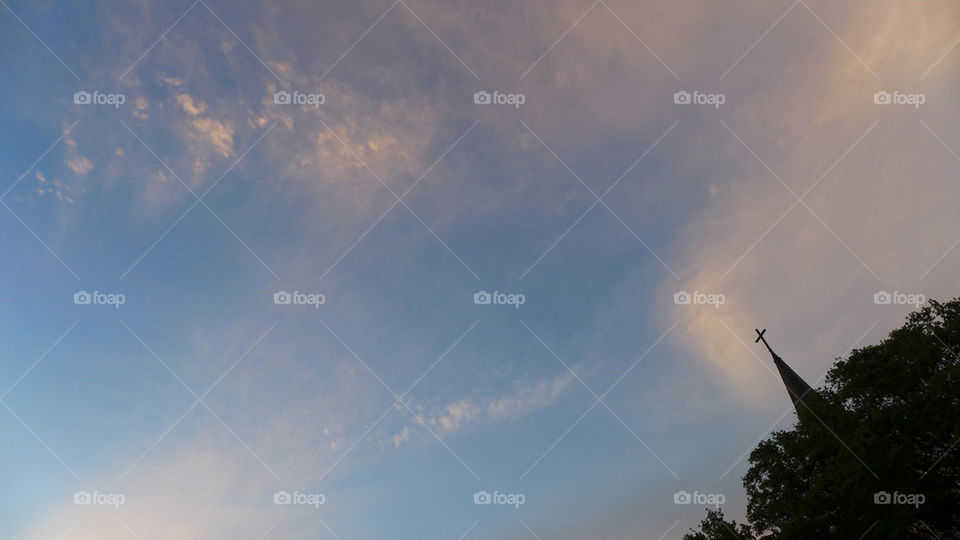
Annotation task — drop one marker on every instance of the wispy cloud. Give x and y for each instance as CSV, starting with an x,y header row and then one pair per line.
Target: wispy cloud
x,y
456,416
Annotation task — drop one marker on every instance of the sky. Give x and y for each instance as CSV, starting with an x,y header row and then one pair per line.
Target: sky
x,y
413,269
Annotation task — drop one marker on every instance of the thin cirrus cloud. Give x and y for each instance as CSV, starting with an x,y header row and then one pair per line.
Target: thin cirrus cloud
x,y
810,274
468,413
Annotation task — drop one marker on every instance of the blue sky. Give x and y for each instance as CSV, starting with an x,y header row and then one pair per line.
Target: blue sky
x,y
599,198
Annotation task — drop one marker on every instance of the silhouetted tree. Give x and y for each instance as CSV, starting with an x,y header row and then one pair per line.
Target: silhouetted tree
x,y
715,527
883,434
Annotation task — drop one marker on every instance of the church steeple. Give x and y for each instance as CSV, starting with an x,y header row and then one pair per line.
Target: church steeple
x,y
797,388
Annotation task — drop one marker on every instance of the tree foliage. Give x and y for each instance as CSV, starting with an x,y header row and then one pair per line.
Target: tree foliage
x,y
715,527
875,454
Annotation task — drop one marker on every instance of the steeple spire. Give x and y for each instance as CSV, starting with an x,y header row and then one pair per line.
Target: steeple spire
x,y
797,388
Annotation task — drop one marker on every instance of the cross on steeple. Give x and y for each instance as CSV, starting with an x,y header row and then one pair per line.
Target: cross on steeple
x,y
760,338
797,388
